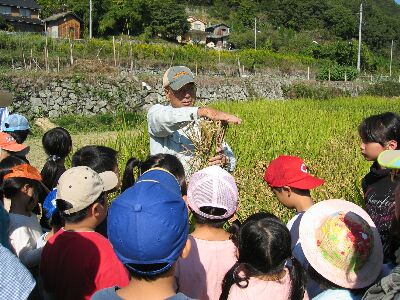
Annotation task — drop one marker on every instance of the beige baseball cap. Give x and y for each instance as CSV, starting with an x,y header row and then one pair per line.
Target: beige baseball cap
x,y
81,186
177,76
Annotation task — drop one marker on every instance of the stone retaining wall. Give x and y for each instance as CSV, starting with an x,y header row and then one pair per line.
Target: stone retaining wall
x,y
52,97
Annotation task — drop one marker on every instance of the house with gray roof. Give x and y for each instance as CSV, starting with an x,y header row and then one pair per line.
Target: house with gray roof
x,y
22,15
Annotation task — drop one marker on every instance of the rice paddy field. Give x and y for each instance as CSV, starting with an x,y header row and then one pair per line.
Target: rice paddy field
x,y
322,132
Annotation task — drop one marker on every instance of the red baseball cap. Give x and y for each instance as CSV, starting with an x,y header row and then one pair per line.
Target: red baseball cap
x,y
8,143
290,171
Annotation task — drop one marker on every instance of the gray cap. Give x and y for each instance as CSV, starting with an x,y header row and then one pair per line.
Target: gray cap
x,y
177,76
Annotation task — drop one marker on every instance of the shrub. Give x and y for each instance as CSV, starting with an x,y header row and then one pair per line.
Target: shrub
x,y
306,91
337,73
384,89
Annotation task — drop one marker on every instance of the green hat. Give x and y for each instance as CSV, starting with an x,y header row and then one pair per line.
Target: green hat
x,y
177,76
5,98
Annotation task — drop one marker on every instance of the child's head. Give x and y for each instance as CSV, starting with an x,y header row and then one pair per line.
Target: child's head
x,y
22,183
378,133
17,126
8,146
57,144
287,175
81,194
212,196
7,163
98,158
264,249
341,243
168,162
148,225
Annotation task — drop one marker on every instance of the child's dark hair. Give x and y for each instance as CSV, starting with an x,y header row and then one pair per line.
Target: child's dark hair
x,y
264,246
146,268
98,158
78,216
166,161
6,164
380,129
57,144
215,211
19,135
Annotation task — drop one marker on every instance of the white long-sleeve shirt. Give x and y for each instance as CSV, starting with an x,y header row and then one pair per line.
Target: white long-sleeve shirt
x,y
24,232
167,125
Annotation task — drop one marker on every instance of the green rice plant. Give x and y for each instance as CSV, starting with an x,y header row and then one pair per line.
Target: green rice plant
x,y
323,133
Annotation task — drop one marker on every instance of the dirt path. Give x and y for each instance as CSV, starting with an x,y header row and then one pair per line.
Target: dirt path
x,y
37,156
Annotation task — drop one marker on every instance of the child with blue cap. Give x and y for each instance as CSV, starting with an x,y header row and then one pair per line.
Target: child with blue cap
x,y
17,126
148,228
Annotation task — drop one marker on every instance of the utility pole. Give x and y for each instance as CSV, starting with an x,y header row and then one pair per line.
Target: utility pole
x,y
391,60
359,40
90,19
255,33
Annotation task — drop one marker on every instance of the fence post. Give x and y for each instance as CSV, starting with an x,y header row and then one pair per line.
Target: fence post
x,y
345,76
308,73
115,58
240,71
329,75
71,56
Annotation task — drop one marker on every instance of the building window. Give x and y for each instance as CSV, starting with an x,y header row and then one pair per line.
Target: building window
x,y
25,12
196,26
5,10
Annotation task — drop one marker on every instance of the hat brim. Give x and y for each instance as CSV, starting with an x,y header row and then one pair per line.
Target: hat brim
x,y
110,180
390,159
312,220
15,148
307,183
183,80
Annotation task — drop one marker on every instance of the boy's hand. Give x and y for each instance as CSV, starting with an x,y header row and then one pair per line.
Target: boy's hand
x,y
217,115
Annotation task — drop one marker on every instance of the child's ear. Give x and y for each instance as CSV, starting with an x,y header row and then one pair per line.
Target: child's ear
x,y
28,189
288,190
391,145
186,249
97,210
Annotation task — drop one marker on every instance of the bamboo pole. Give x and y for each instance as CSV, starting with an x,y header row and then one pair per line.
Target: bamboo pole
x,y
130,55
308,73
45,56
23,56
115,58
58,64
71,55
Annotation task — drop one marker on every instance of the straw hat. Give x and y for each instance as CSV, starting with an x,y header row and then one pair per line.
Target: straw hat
x,y
341,242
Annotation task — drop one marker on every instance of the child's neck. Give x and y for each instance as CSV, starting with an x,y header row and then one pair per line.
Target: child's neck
x,y
19,208
84,225
302,203
209,233
161,288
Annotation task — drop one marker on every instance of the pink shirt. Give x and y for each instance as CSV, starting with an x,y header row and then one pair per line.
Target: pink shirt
x,y
261,289
200,275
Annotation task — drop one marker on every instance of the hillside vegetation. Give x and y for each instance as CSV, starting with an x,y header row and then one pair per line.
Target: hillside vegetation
x,y
318,29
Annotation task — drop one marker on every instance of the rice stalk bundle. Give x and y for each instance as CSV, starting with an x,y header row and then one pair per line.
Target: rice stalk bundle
x,y
206,136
